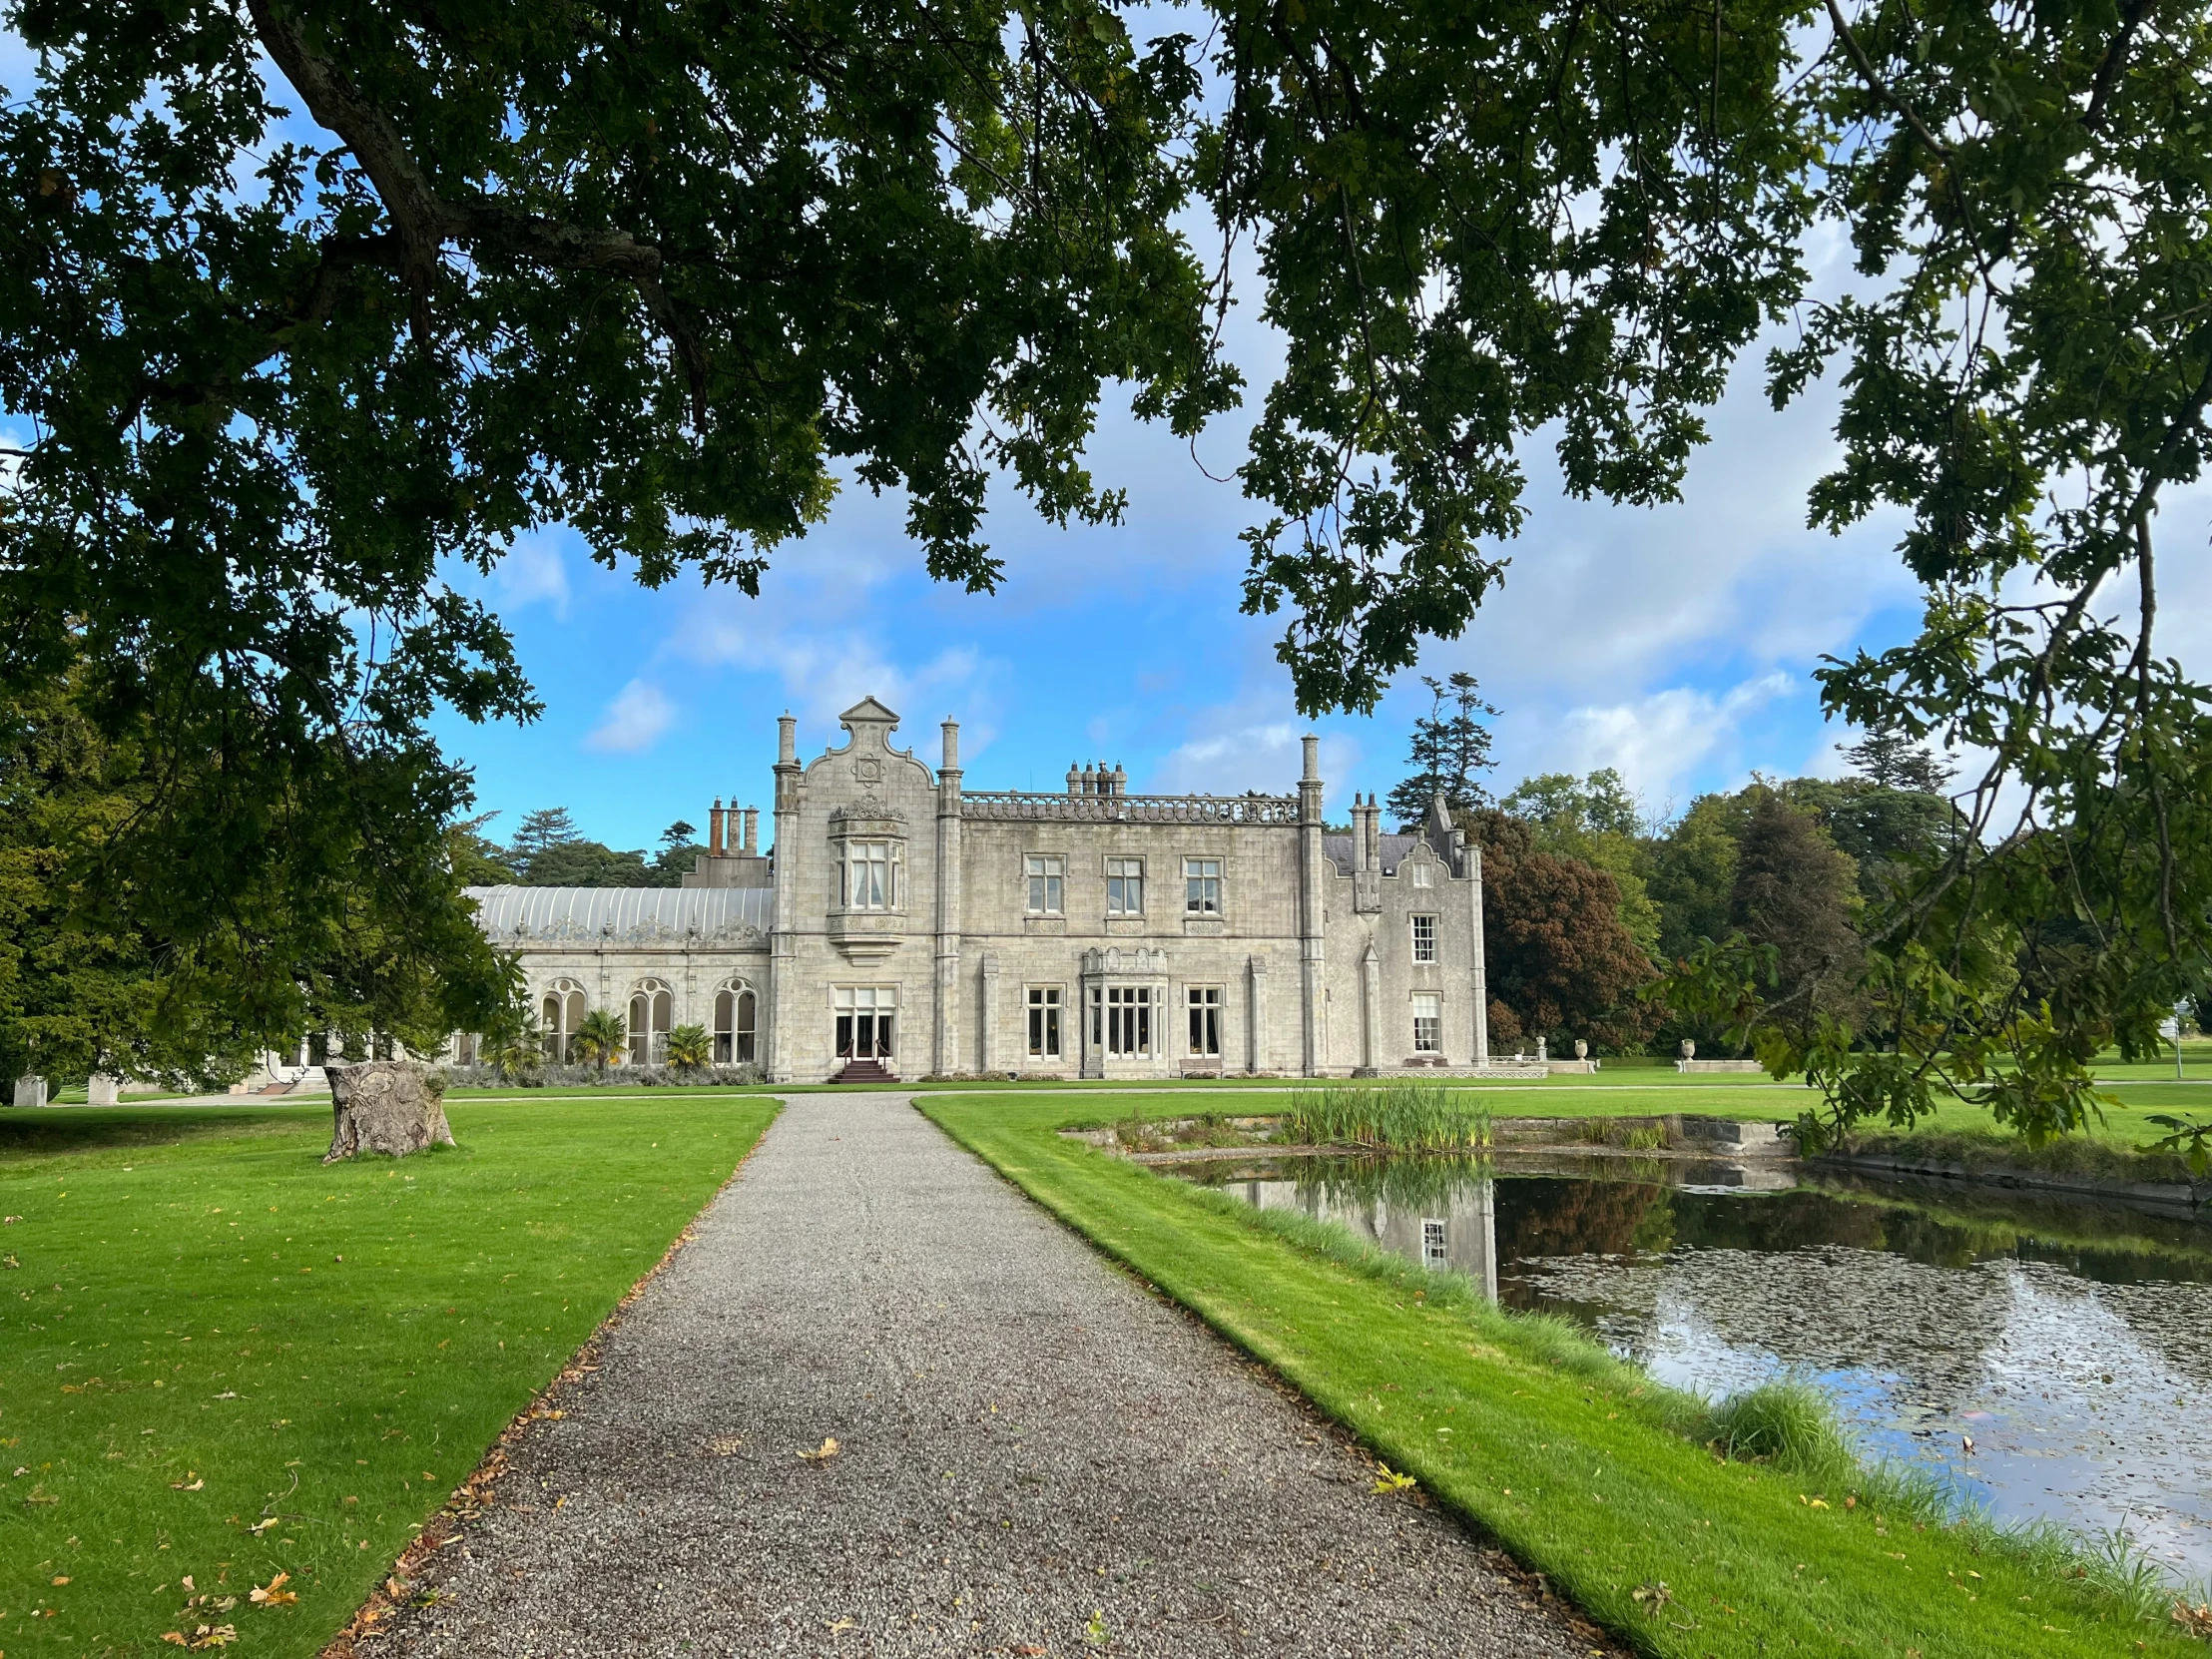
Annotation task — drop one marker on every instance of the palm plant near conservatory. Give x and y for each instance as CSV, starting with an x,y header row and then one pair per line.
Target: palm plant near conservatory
x,y
515,1053
600,1037
689,1047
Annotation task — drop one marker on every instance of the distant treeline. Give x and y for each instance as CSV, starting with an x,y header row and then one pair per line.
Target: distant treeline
x,y
548,850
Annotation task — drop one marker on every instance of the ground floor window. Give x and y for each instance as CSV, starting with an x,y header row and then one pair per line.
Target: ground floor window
x,y
1433,1244
1429,1022
865,1018
1121,1019
736,1021
1205,1013
1044,1022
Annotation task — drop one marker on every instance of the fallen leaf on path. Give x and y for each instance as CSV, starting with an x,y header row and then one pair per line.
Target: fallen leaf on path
x,y
724,1446
841,1627
1388,1479
273,1594
823,1452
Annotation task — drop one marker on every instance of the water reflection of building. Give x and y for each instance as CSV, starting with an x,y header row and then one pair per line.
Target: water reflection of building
x,y
1454,1230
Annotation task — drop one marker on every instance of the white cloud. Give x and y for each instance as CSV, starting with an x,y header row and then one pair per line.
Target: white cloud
x,y
634,721
533,570
1655,742
1235,754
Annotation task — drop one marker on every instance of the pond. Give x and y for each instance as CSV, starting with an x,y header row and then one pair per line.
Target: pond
x,y
2069,1344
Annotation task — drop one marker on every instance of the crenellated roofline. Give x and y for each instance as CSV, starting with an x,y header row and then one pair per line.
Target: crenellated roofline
x,y
1275,811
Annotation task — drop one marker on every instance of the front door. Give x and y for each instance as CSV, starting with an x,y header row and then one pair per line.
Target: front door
x,y
866,1018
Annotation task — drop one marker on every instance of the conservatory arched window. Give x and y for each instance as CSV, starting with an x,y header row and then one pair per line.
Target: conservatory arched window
x,y
652,1005
560,1012
737,1023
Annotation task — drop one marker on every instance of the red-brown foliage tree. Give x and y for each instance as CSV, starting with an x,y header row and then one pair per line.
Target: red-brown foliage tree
x,y
1561,965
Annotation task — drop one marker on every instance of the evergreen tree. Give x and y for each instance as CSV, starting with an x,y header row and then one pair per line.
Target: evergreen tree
x,y
1889,757
583,864
1448,748
538,833
1793,889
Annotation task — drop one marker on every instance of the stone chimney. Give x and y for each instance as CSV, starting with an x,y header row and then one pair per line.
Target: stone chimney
x,y
1075,780
1120,781
753,831
714,830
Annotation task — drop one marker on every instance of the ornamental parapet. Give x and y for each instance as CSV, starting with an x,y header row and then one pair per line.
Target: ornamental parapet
x,y
1014,805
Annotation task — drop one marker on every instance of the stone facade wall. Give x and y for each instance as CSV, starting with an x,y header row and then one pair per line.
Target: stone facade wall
x,y
1163,947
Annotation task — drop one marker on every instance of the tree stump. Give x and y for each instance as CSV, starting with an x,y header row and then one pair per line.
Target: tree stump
x,y
384,1106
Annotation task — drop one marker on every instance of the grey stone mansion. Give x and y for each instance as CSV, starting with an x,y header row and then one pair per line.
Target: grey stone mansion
x,y
904,925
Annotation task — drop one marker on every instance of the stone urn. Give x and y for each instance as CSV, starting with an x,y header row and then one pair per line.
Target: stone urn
x,y
1581,1049
1689,1049
390,1106
1542,1058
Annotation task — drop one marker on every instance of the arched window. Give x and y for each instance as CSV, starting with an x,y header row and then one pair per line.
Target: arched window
x,y
559,1014
737,1025
651,1006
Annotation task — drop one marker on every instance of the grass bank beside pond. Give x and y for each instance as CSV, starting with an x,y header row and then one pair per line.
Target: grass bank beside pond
x,y
221,1359
1581,1467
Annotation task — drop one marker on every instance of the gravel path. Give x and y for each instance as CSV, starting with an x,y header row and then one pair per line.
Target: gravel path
x,y
1035,1458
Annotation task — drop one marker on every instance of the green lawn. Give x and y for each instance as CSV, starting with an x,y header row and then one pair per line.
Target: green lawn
x,y
1567,1458
221,1359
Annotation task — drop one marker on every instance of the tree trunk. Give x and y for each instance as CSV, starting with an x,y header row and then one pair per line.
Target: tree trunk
x,y
386,1106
